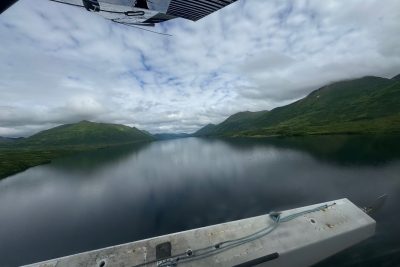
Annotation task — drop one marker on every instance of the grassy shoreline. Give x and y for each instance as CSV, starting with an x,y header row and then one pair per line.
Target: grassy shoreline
x,y
15,159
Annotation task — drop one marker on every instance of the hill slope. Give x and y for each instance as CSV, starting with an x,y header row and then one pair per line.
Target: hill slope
x,y
206,130
236,123
43,147
9,139
366,105
396,78
87,133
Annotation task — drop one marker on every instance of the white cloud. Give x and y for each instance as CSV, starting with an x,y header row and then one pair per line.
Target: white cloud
x,y
60,64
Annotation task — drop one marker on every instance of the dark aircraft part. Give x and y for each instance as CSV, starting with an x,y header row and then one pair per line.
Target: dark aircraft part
x,y
158,18
91,5
141,4
196,9
5,4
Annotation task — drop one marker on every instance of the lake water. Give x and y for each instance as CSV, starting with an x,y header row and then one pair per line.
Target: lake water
x,y
117,195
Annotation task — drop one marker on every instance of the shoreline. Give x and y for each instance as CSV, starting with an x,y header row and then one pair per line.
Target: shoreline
x,y
17,159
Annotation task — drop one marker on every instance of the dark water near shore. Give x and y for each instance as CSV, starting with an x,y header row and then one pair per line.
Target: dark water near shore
x,y
117,195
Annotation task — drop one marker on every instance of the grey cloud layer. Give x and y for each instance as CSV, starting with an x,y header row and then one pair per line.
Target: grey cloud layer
x,y
60,64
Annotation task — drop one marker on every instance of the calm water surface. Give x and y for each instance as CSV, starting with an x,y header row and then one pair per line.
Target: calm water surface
x,y
112,196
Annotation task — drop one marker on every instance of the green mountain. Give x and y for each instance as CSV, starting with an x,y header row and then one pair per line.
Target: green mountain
x,y
236,123
86,133
64,140
207,130
366,105
397,78
9,139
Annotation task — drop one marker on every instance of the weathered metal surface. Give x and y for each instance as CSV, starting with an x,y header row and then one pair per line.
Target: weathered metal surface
x,y
303,241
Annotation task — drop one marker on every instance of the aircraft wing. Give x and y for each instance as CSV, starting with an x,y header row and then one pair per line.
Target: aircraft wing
x,y
196,9
4,5
146,12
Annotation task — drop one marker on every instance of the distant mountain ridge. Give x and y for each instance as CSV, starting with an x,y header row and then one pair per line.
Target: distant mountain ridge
x,y
168,136
87,133
9,139
359,106
396,78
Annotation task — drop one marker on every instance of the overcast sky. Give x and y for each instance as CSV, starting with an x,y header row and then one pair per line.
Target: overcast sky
x,y
61,64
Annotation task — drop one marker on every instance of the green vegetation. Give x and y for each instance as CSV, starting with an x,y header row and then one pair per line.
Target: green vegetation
x,y
41,148
369,105
396,78
14,160
209,129
8,140
86,133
